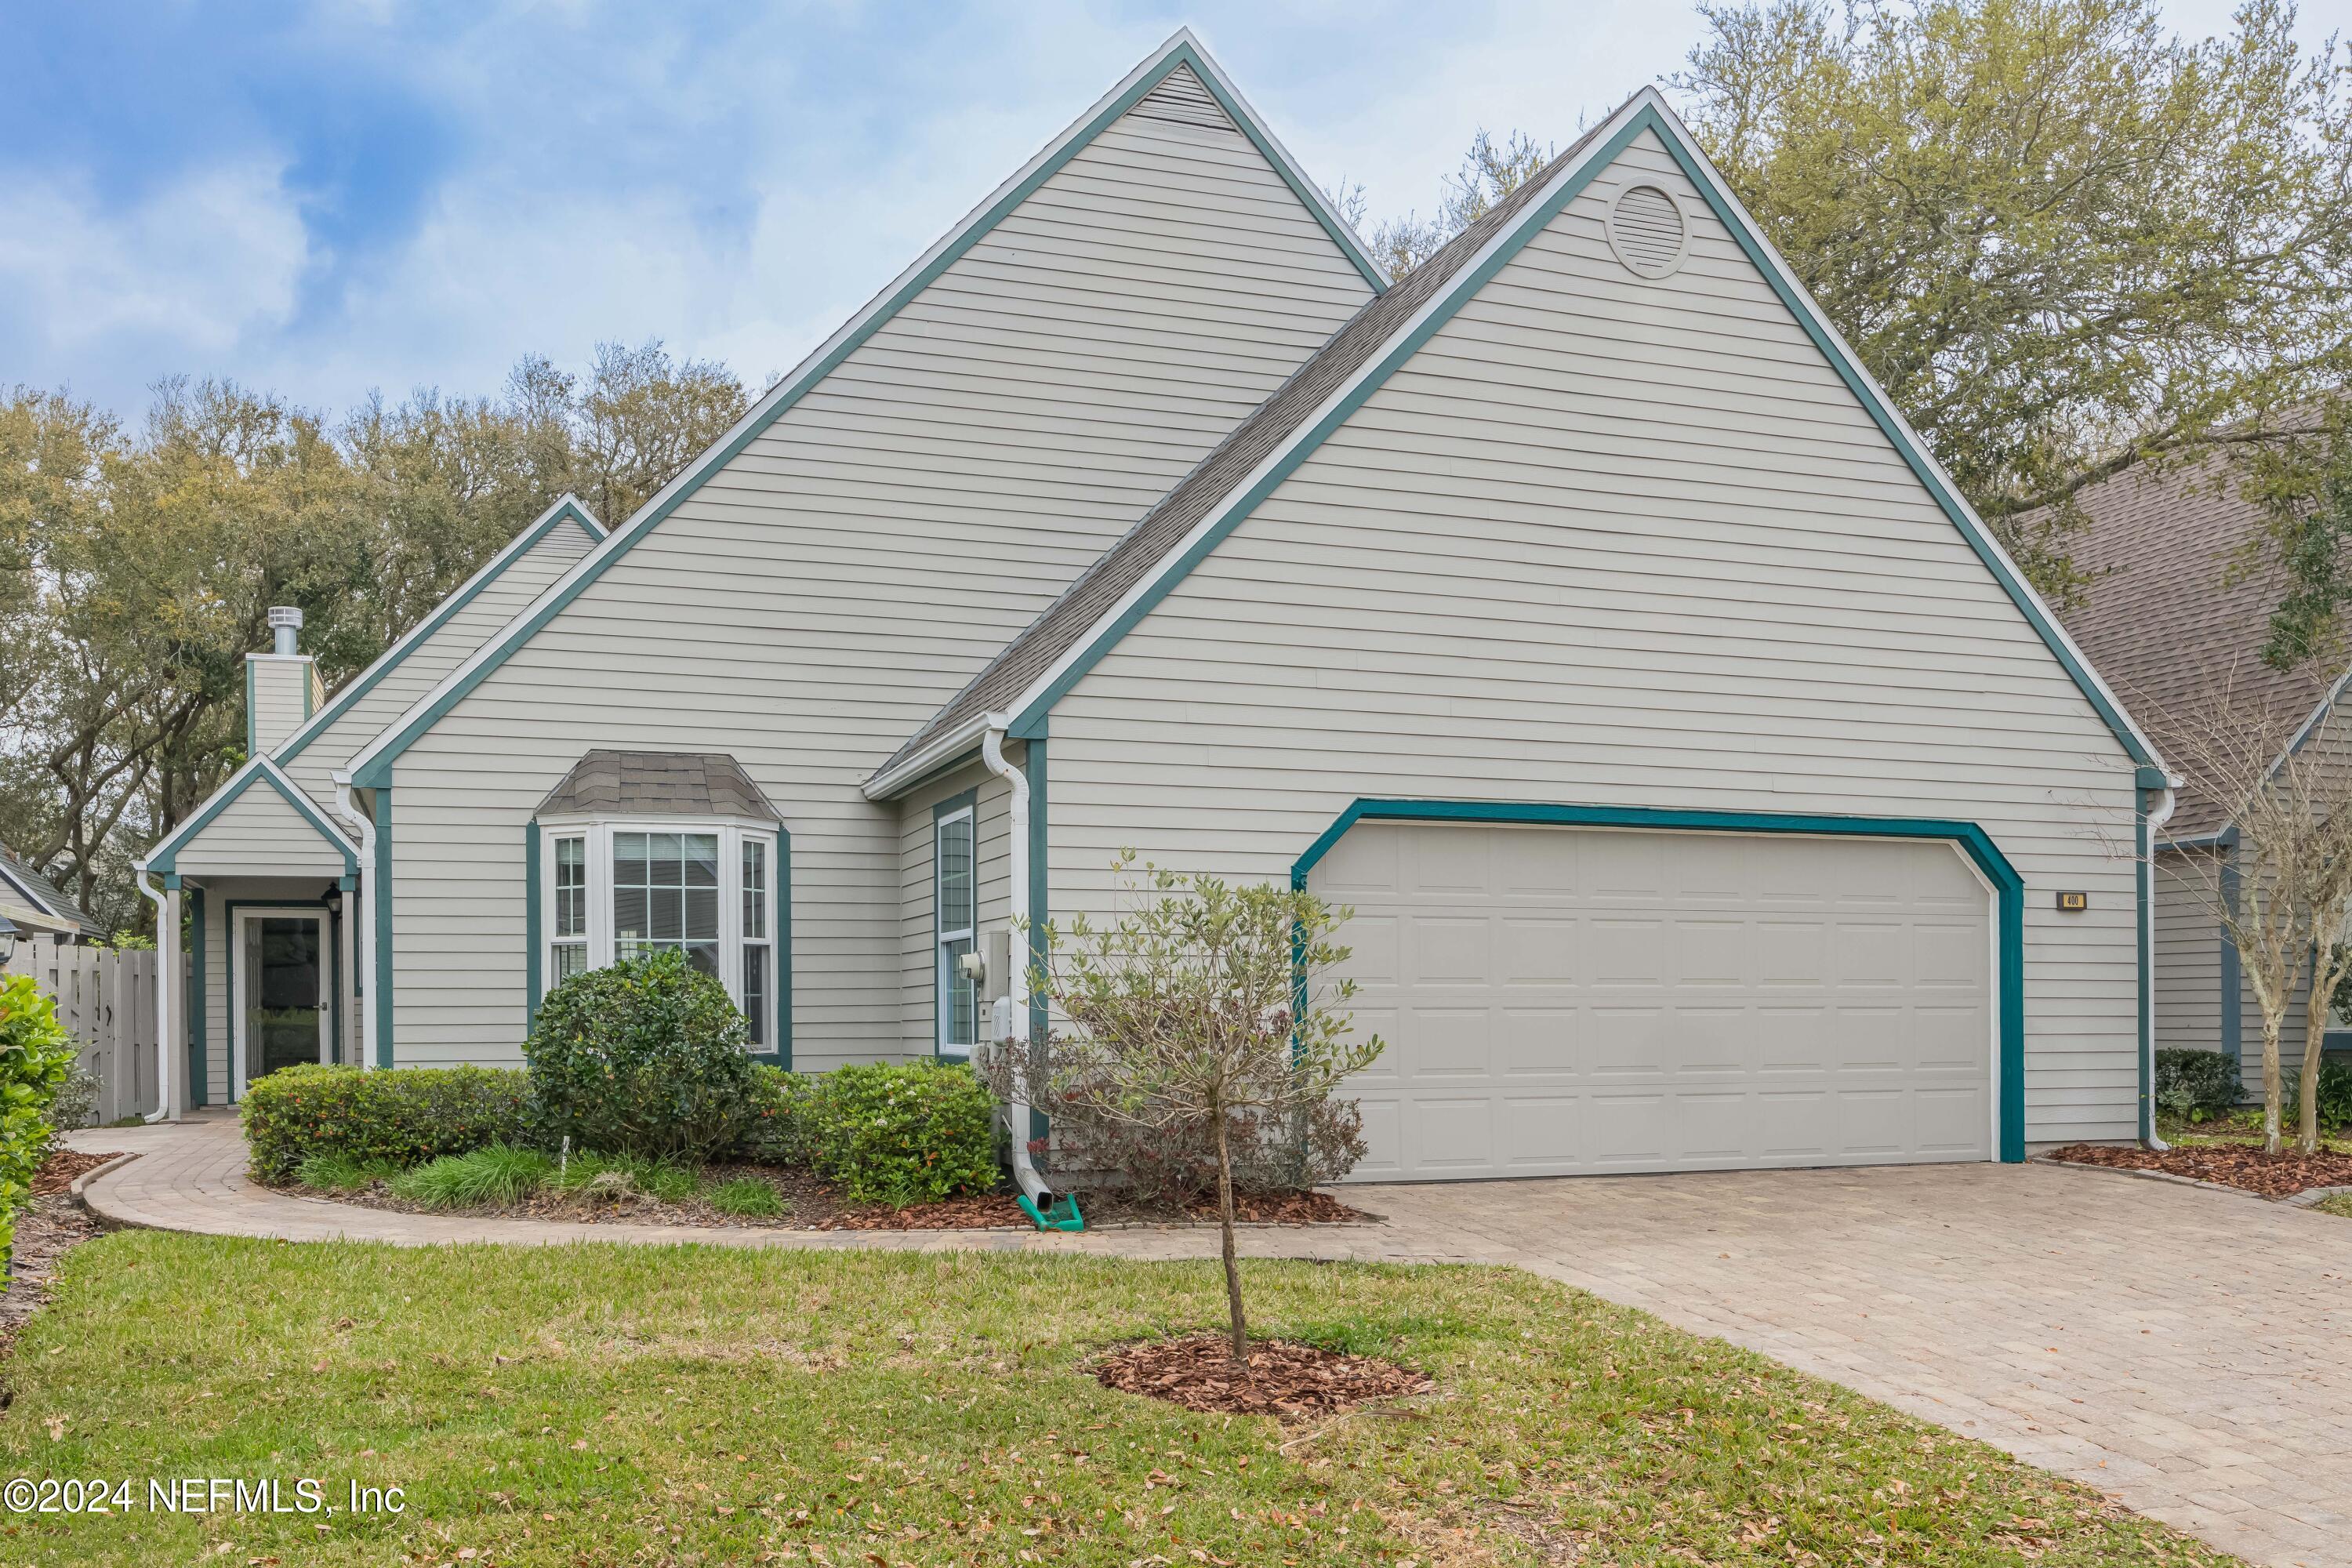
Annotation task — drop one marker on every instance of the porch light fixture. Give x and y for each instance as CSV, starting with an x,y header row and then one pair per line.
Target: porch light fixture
x,y
7,940
333,898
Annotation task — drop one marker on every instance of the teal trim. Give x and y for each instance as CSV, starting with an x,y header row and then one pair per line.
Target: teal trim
x,y
171,882
566,509
199,1066
252,734
2233,998
969,800
378,768
783,949
1971,840
1459,292
383,874
533,955
165,857
2147,777
331,994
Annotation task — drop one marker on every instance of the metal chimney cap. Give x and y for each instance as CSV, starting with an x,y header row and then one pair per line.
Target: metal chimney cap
x,y
285,615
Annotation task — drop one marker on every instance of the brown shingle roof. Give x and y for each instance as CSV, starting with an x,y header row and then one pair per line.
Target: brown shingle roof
x,y
658,784
2165,623
1126,563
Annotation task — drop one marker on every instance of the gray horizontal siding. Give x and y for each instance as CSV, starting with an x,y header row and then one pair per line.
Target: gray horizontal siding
x,y
816,599
1605,541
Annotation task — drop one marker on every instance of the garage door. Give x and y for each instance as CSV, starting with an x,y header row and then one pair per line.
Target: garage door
x,y
1558,1001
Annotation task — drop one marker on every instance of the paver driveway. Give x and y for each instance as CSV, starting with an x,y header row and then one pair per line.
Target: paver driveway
x,y
2188,1352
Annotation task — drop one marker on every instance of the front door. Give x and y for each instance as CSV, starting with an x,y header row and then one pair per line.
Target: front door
x,y
283,1014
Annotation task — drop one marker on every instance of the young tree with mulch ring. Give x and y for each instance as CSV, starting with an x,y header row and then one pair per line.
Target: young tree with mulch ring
x,y
1206,1005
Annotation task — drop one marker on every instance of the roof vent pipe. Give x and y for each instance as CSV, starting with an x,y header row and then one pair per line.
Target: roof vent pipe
x,y
285,620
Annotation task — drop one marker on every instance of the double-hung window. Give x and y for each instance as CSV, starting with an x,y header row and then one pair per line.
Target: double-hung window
x,y
624,888
954,903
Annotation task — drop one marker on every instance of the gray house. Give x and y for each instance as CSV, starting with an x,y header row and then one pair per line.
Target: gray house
x,y
1710,790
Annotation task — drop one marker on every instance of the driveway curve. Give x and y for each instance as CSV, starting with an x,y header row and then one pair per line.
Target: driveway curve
x,y
2187,1351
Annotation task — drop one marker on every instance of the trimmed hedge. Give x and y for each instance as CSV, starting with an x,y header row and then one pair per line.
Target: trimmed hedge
x,y
35,1055
404,1116
2194,1085
901,1135
647,1057
779,1132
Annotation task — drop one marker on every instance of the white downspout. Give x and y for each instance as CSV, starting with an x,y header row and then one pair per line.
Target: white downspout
x,y
167,1012
2156,820
348,809
991,752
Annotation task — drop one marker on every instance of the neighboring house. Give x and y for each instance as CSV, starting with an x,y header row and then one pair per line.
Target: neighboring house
x,y
32,907
1702,775
2174,619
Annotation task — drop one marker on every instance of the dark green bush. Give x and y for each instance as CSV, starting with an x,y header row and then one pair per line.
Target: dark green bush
x,y
2194,1085
902,1134
649,1057
36,1056
402,1117
2335,1094
780,1129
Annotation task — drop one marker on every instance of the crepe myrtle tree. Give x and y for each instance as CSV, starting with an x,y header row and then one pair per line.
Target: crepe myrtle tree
x,y
2283,893
1205,1007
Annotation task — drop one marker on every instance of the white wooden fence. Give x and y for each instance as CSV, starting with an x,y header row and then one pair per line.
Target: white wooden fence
x,y
106,1000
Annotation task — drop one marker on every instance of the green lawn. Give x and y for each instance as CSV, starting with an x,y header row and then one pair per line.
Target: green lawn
x,y
613,1404
2339,1205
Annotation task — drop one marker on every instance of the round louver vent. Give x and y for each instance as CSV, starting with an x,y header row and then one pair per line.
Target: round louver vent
x,y
1647,231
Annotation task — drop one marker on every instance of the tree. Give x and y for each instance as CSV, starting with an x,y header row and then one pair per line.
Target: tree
x,y
1206,1006
1489,172
2286,896
2065,240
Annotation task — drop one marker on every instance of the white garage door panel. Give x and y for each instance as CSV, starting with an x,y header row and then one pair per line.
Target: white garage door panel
x,y
1567,1000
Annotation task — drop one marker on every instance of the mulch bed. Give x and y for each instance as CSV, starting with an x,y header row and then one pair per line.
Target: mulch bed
x,y
2230,1164
63,1166
811,1204
1289,1381
50,1225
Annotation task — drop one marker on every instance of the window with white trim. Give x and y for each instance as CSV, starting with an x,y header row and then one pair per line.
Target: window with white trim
x,y
620,889
955,904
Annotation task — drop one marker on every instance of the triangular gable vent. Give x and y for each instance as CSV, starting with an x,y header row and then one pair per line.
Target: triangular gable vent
x,y
1185,98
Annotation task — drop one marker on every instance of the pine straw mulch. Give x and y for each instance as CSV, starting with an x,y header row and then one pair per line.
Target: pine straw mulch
x,y
2241,1166
1288,1381
813,1204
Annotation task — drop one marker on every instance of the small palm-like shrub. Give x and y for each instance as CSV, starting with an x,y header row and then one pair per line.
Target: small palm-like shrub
x,y
343,1172
647,1057
496,1175
747,1196
902,1134
663,1179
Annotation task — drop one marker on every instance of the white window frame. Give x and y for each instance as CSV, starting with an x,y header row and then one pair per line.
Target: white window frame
x,y
941,936
598,832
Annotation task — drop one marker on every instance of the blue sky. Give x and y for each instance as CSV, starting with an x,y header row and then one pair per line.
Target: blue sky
x,y
334,198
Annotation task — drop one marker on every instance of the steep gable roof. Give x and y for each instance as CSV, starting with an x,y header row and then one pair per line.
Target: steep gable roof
x,y
1022,684
1177,80
2167,619
163,858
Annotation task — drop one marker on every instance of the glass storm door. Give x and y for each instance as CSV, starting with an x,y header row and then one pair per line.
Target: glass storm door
x,y
283,992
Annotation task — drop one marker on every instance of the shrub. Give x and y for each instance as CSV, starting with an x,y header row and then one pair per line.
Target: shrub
x,y
342,1173
662,1179
75,1104
35,1055
2194,1085
902,1134
647,1057
2334,1095
499,1173
747,1196
400,1118
779,1130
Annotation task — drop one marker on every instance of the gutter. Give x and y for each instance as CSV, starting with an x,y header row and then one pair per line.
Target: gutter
x,y
2154,821
167,970
348,809
1037,1200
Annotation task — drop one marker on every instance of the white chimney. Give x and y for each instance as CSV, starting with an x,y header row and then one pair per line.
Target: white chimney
x,y
281,686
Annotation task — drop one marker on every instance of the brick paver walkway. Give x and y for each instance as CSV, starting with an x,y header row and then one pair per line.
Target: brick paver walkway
x,y
2188,1352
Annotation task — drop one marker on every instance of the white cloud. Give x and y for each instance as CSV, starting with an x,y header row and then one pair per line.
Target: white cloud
x,y
192,272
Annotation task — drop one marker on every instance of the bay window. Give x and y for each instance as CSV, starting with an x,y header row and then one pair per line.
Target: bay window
x,y
622,890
